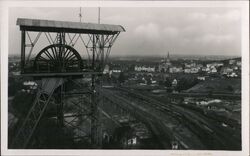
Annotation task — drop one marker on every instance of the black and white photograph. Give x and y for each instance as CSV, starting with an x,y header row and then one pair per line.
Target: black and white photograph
x,y
123,77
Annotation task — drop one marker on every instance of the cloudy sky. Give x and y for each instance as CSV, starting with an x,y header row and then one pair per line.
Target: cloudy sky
x,y
152,31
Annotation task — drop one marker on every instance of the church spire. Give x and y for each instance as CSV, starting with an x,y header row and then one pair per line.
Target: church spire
x,y
167,60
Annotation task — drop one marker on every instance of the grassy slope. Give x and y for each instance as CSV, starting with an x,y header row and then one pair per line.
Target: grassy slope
x,y
218,85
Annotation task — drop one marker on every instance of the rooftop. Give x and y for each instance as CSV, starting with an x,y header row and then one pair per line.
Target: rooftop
x,y
68,27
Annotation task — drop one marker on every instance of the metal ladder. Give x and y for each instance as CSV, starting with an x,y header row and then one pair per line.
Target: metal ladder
x,y
35,113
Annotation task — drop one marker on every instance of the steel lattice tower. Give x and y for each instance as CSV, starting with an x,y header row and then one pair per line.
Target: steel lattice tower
x,y
59,62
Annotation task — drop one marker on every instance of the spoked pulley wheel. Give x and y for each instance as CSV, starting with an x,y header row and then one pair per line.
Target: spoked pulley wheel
x,y
58,58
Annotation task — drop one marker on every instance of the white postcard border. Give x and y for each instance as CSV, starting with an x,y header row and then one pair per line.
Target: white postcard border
x,y
4,8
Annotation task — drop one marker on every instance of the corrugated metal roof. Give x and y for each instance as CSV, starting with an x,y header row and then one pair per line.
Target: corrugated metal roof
x,y
53,26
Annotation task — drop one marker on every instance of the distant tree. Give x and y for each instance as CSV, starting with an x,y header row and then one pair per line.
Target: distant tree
x,y
121,78
219,68
194,82
148,81
169,90
210,93
22,102
161,82
14,86
168,82
230,88
108,78
186,83
131,67
182,84
98,80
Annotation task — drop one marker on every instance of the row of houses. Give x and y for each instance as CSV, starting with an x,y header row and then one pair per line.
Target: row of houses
x,y
144,69
230,69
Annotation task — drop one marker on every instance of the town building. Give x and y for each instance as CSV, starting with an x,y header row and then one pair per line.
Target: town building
x,y
106,69
174,83
232,62
194,70
226,70
238,63
144,69
187,70
202,78
175,70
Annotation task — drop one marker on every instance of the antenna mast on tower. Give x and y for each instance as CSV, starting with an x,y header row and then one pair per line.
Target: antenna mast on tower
x,y
80,14
99,15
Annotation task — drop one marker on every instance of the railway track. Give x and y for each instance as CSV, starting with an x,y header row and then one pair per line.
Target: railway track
x,y
214,136
167,125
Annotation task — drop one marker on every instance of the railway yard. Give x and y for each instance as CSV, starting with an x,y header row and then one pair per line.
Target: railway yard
x,y
173,123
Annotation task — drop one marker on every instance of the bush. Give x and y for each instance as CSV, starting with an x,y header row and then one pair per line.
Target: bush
x,y
22,102
230,88
13,86
185,83
168,83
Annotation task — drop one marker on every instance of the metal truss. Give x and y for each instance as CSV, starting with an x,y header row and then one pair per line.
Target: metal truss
x,y
79,115
35,113
97,46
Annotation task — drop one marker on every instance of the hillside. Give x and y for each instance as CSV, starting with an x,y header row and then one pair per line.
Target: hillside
x,y
217,86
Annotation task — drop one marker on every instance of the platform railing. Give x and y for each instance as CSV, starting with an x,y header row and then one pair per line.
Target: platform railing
x,y
48,67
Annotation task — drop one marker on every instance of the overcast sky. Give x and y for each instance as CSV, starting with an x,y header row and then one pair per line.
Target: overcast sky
x,y
152,31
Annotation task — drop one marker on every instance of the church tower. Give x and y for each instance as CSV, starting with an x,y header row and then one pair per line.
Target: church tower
x,y
164,67
168,59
